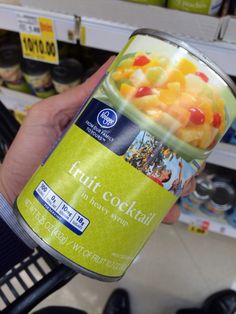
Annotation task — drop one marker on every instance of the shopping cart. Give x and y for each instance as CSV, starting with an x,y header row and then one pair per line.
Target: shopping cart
x,y
36,277
31,281
8,129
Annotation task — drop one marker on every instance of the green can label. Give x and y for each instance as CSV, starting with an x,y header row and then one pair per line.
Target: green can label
x,y
152,2
209,7
125,160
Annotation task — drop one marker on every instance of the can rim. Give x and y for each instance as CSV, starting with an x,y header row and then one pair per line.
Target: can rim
x,y
34,68
231,195
57,255
12,59
68,71
200,197
195,52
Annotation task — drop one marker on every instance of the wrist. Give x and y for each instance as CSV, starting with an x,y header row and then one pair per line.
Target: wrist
x,y
3,190
8,217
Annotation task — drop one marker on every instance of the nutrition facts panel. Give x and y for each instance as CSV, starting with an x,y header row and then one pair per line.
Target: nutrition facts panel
x,y
60,209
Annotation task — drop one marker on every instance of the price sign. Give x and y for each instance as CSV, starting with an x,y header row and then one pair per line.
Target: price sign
x,y
197,229
38,39
201,228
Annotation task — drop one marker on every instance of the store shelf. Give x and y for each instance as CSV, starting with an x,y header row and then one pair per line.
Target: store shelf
x,y
65,25
15,100
124,12
230,32
107,24
214,224
224,155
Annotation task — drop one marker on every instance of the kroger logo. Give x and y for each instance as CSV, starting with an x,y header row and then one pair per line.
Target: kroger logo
x,y
107,118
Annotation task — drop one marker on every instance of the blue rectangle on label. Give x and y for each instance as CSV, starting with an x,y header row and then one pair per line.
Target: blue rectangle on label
x,y
67,215
107,126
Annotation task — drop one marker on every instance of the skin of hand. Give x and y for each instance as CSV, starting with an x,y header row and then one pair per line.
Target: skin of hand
x,y
42,127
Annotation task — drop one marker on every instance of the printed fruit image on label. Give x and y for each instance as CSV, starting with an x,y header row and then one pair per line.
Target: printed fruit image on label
x,y
182,98
127,156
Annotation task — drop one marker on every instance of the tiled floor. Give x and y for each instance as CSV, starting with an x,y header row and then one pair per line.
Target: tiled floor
x,y
175,269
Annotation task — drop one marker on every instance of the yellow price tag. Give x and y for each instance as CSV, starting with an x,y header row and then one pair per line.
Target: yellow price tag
x,y
41,46
197,229
46,27
82,35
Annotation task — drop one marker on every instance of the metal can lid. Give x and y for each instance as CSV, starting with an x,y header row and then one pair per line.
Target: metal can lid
x,y
68,71
9,56
195,52
203,189
32,67
223,195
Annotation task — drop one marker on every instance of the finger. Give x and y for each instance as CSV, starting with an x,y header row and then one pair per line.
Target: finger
x,y
172,216
203,165
71,101
190,187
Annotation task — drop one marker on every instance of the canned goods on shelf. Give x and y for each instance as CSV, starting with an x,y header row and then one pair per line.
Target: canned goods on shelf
x,y
230,136
152,2
10,71
208,7
222,199
202,193
230,216
38,76
67,74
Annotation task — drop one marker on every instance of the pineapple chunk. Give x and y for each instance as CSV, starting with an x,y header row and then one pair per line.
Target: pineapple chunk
x,y
187,100
175,87
180,113
195,143
127,90
164,61
169,96
152,63
128,72
206,107
156,76
194,85
127,63
190,134
209,133
149,102
176,76
186,66
117,75
221,109
167,121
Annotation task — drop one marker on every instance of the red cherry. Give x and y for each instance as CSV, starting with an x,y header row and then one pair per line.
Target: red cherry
x,y
196,116
141,61
216,120
143,91
203,76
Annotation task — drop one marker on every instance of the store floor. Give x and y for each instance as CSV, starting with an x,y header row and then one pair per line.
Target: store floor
x,y
175,269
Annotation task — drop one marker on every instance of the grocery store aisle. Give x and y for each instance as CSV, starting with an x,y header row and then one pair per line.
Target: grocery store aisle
x,y
176,269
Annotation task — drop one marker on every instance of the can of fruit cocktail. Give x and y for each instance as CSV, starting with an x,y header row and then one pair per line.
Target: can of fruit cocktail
x,y
139,139
208,7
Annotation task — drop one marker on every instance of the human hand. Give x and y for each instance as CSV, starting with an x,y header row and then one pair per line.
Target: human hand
x,y
174,212
42,127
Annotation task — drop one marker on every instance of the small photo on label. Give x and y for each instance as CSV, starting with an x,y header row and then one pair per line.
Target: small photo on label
x,y
159,163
